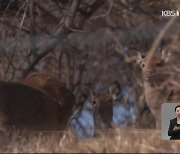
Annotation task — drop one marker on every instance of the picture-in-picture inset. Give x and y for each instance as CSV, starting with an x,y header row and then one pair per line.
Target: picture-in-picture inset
x,y
170,124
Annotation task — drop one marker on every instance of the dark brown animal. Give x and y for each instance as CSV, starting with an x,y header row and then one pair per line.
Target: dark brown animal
x,y
52,87
33,108
47,83
26,108
103,107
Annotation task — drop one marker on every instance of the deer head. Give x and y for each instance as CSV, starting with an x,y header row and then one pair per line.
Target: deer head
x,y
154,68
114,91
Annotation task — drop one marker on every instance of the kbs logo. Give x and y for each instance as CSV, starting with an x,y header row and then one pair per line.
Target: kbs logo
x,y
169,13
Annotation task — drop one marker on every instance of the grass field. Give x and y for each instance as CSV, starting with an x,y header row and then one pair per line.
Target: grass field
x,y
119,140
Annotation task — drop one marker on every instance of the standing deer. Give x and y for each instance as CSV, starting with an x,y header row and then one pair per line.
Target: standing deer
x,y
25,107
157,78
103,107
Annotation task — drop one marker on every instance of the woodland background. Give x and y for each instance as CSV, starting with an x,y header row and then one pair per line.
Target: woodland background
x,y
86,43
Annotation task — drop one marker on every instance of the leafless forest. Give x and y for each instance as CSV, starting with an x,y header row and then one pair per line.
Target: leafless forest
x,y
87,45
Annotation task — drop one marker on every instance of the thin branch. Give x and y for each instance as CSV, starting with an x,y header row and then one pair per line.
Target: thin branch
x,y
32,27
59,36
17,37
105,14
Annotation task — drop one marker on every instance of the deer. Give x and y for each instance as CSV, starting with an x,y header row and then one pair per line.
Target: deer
x,y
158,81
53,88
44,82
25,107
103,107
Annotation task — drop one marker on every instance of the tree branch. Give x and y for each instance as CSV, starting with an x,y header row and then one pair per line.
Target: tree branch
x,y
59,36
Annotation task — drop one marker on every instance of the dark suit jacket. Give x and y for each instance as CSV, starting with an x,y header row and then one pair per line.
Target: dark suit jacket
x,y
175,135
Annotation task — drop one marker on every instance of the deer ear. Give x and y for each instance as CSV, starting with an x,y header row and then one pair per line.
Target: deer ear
x,y
165,55
115,89
92,95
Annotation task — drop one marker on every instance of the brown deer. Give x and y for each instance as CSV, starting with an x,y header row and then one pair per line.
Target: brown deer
x,y
103,107
32,108
47,83
53,88
158,82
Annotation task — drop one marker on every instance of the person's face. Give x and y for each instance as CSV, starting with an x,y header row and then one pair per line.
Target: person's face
x,y
178,112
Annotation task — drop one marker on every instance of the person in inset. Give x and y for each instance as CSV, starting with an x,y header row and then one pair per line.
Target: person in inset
x,y
174,126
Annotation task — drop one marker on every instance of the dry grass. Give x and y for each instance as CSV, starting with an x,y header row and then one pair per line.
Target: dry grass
x,y
109,142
